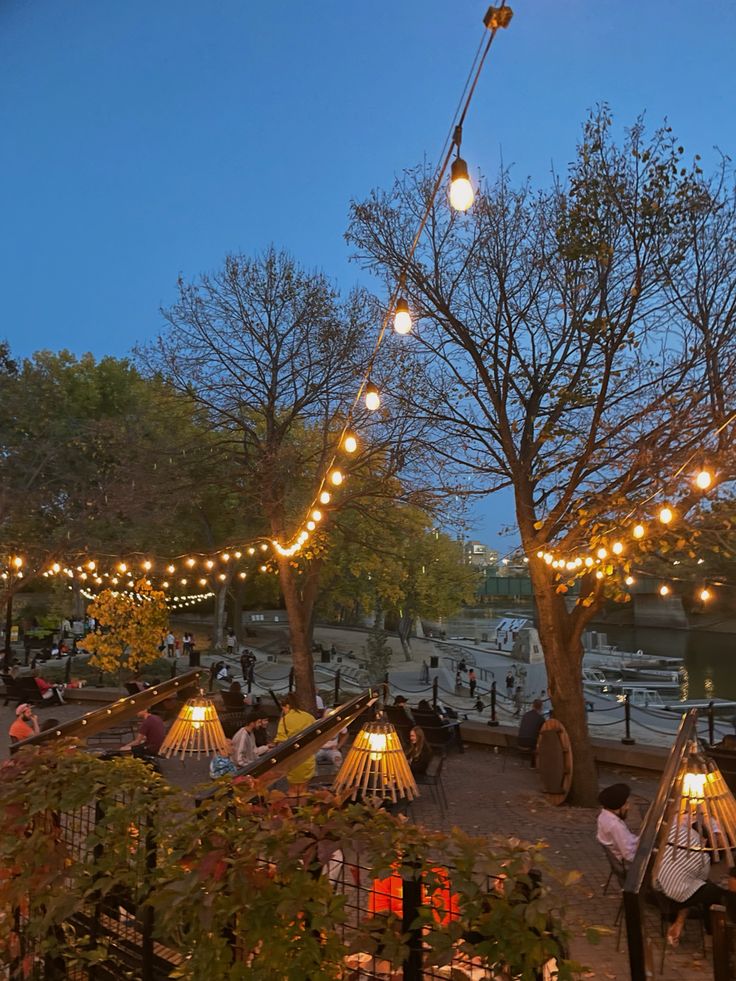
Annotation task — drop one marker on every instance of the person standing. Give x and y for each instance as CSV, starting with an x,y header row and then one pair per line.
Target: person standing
x,y
170,644
293,721
510,684
231,641
472,682
187,643
25,724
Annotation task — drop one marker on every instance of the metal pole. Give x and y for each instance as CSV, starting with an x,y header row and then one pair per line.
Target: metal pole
x,y
435,691
291,680
173,668
627,740
8,630
337,687
386,688
721,971
68,670
711,724
411,901
493,721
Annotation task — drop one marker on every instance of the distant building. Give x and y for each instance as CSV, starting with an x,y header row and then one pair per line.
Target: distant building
x,y
479,555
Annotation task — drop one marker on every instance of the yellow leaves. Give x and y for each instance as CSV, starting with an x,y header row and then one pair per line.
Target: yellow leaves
x,y
538,525
130,627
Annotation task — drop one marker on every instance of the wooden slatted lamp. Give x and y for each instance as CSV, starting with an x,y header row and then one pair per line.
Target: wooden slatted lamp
x,y
376,766
196,731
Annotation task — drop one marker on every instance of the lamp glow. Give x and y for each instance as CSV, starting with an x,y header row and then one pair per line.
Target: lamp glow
x,y
664,590
617,548
665,516
350,443
336,477
402,317
705,594
629,580
704,479
325,497
639,531
316,515
372,398
461,190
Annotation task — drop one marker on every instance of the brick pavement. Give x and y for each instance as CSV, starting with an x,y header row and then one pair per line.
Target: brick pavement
x,y
490,795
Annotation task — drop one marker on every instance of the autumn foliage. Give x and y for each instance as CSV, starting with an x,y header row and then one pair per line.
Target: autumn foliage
x,y
129,627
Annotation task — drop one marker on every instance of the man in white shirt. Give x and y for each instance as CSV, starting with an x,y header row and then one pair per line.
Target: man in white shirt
x,y
244,749
611,830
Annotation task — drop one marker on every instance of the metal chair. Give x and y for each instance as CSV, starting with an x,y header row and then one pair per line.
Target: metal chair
x,y
617,868
433,779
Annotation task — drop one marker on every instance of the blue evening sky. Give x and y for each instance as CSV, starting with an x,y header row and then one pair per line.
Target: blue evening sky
x,y
141,140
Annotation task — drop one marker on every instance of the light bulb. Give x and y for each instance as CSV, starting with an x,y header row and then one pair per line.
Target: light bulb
x,y
311,526
461,190
191,563
664,590
325,497
705,595
372,398
588,561
91,566
630,580
146,565
599,574
639,531
242,575
704,479
601,553
336,477
665,516
316,515
225,556
209,563
55,567
122,567
170,569
617,548
350,443
402,317
264,547
202,582
251,551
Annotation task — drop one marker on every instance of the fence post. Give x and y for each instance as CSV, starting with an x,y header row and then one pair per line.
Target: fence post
x,y
627,740
711,724
250,678
146,914
291,680
386,688
721,971
435,691
173,668
337,687
493,721
411,902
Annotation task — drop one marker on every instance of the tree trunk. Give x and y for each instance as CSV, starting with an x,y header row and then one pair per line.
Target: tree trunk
x,y
237,601
218,626
404,628
563,656
299,615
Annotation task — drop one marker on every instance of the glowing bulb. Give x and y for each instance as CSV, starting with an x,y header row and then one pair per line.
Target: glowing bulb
x,y
264,547
146,565
242,574
599,574
665,516
264,568
316,515
705,595
377,743
202,582
693,785
664,590
578,562
704,479
169,568
122,567
251,551
222,577
629,580
617,548
183,582
540,555
336,477
402,317
372,398
238,554
311,526
91,566
17,562
461,190
350,443
325,497
56,567
165,584
548,558
601,553
225,556
191,563
638,531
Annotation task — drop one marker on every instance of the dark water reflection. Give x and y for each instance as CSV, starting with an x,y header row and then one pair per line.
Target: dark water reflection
x,y
710,658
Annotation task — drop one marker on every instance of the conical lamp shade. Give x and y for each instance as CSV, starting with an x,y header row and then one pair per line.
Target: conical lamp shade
x,y
196,732
705,815
376,766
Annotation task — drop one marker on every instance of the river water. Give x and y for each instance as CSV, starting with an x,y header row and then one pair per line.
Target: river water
x,y
709,656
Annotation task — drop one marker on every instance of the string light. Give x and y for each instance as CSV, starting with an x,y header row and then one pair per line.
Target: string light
x,y
325,497
316,515
666,515
461,190
705,594
629,580
350,443
336,478
617,548
704,479
639,531
664,590
402,317
372,398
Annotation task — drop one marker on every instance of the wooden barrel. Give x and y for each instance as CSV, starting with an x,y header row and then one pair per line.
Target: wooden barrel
x,y
554,761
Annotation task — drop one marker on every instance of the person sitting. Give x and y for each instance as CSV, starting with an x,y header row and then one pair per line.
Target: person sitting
x,y
402,702
419,753
330,753
151,734
530,724
221,764
437,724
223,673
261,730
684,869
49,692
25,724
244,746
611,829
136,683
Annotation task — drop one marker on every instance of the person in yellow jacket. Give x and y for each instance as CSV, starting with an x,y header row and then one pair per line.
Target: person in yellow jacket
x,y
294,720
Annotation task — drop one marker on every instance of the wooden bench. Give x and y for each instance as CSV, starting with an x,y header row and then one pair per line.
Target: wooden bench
x,y
24,690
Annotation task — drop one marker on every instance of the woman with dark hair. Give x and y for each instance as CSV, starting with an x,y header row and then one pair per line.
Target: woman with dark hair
x,y
293,721
419,752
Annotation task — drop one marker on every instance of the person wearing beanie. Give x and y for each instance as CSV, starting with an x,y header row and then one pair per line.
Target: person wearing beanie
x,y
25,724
611,831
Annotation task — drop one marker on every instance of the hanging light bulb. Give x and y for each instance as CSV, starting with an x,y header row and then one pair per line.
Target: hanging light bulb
x,y
372,398
122,567
664,590
311,526
639,531
191,563
350,443
316,515
461,190
170,569
242,574
238,554
704,479
588,561
209,563
165,584
402,317
56,567
705,594
202,582
629,580
336,477
91,566
251,551
146,565
325,497
617,548
225,556
665,515
602,553
264,547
